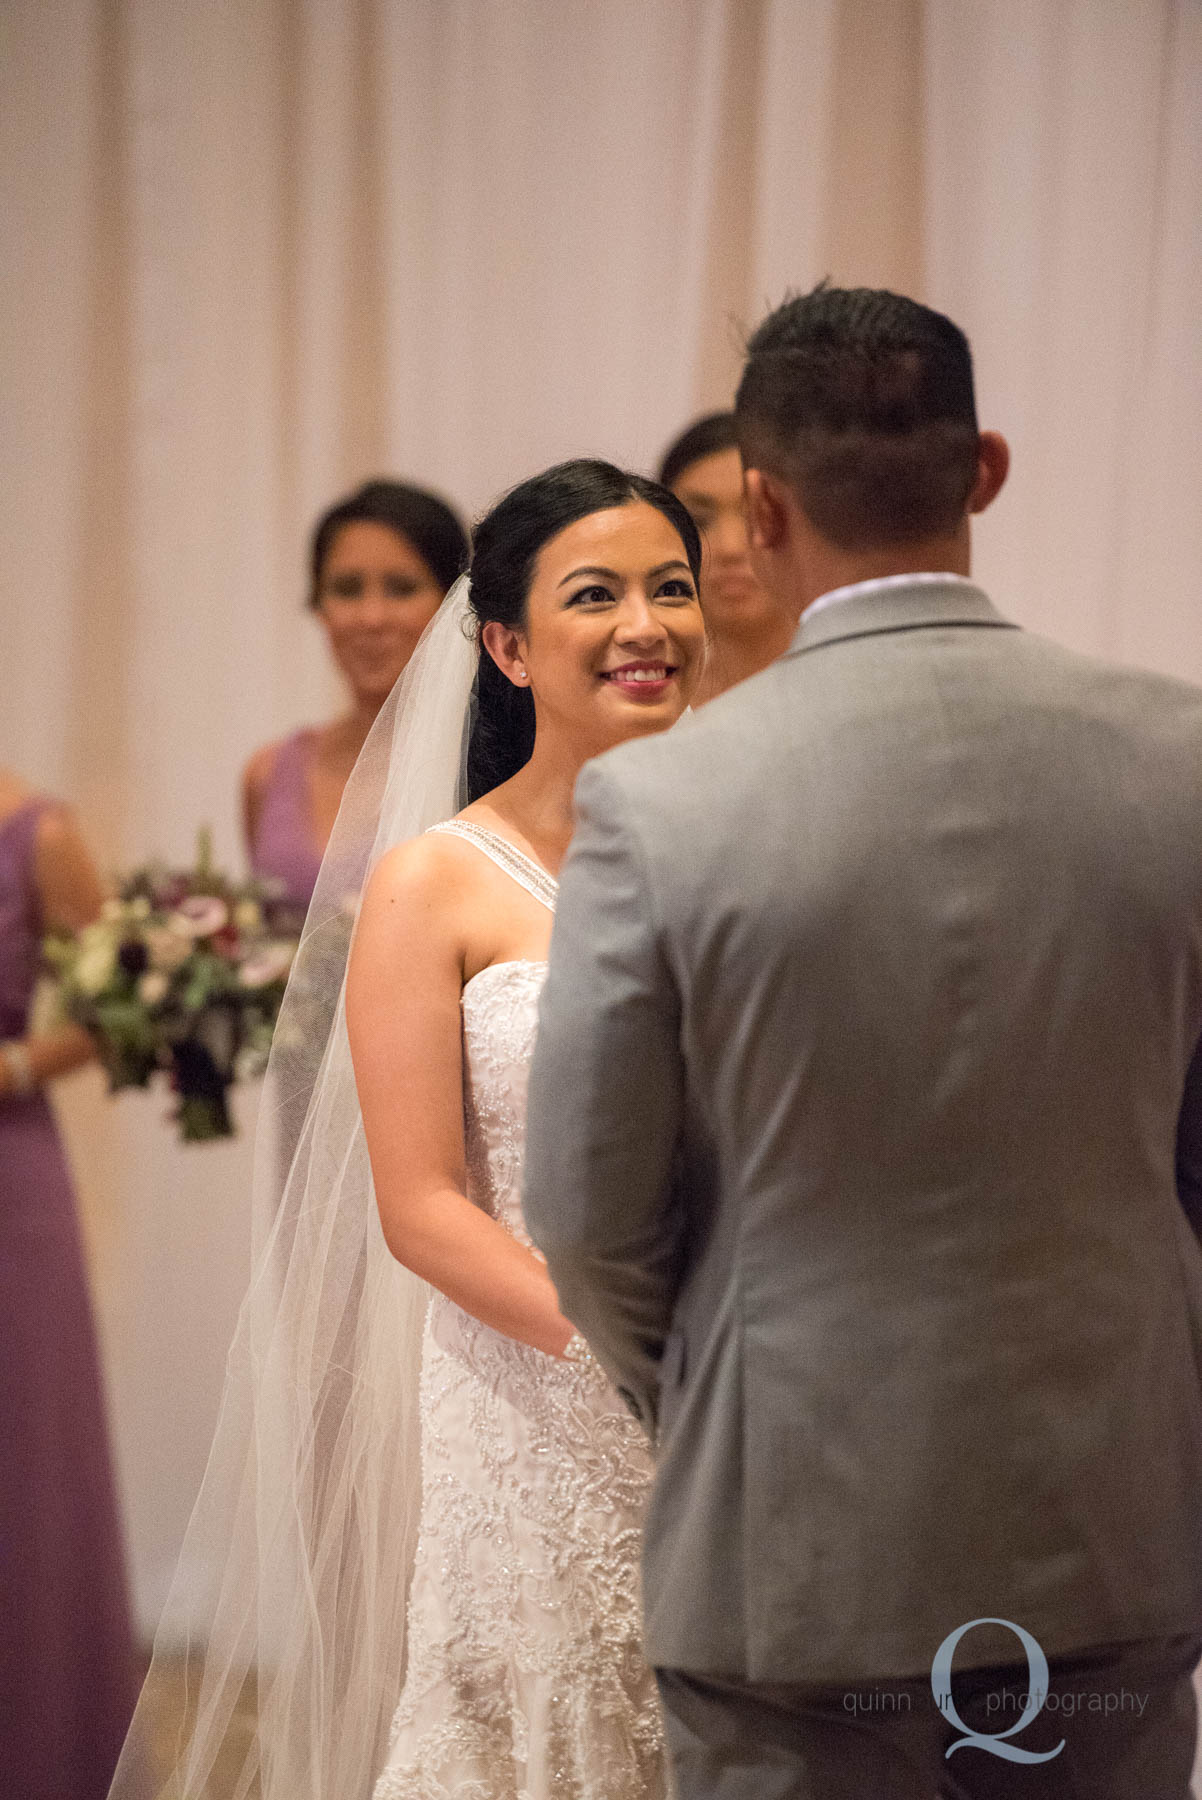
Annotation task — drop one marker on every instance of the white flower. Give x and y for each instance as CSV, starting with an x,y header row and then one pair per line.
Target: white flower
x,y
96,965
199,916
167,948
248,915
152,987
251,1062
139,907
270,963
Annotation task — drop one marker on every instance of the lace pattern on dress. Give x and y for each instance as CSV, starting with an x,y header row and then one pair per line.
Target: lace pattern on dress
x,y
525,1676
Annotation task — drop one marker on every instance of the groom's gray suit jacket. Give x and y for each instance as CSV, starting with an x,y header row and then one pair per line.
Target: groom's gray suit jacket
x,y
853,1125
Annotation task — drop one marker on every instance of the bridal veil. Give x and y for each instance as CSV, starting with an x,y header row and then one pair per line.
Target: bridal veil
x,y
303,1536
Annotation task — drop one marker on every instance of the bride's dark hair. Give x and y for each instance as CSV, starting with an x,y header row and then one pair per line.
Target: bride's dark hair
x,y
505,546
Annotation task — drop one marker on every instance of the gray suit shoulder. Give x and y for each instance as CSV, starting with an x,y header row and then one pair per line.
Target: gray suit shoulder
x,y
1109,673
1162,712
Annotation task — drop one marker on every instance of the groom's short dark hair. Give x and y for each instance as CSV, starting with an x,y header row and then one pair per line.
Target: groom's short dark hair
x,y
863,402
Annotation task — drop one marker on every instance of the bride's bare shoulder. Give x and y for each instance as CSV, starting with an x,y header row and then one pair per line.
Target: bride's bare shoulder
x,y
437,869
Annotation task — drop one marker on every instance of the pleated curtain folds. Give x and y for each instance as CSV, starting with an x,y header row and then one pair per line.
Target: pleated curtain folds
x,y
254,252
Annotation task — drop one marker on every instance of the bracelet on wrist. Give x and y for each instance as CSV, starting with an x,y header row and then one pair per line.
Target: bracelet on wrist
x,y
21,1079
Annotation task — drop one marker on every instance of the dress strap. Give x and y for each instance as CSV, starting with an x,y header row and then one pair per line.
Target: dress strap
x,y
521,868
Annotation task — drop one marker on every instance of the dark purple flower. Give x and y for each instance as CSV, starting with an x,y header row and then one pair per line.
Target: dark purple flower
x,y
134,956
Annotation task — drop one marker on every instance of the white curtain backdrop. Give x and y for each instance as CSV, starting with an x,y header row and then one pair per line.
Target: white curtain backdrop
x,y
254,251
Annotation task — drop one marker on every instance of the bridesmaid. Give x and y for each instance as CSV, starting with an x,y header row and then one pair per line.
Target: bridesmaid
x,y
381,561
66,1656
745,630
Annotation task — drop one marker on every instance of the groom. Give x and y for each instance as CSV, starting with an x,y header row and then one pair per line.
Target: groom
x,y
857,1140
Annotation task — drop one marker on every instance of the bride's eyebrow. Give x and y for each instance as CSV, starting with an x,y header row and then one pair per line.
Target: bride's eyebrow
x,y
589,569
676,562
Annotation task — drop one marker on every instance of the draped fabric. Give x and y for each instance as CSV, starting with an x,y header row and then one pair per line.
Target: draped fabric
x,y
256,250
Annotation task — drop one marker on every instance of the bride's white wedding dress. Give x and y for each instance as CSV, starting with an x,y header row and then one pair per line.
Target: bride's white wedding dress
x,y
524,1674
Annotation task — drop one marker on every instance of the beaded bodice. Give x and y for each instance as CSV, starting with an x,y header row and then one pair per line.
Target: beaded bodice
x,y
500,1019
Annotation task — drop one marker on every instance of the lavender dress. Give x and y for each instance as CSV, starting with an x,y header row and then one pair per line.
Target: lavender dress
x,y
283,850
66,1658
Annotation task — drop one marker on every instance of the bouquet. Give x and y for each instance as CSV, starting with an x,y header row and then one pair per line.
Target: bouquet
x,y
182,974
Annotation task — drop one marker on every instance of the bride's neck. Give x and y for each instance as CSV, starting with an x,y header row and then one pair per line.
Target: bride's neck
x,y
537,802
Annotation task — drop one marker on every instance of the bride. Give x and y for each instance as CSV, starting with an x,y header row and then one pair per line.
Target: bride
x,y
427,1494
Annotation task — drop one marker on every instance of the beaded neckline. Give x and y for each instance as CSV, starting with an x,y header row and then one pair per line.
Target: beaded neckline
x,y
522,868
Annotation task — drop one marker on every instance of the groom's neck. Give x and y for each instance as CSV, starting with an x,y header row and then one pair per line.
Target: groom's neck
x,y
818,566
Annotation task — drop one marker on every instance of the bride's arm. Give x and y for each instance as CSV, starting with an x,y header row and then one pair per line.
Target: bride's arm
x,y
404,984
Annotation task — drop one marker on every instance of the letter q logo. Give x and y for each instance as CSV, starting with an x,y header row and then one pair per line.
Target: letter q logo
x,y
1037,1692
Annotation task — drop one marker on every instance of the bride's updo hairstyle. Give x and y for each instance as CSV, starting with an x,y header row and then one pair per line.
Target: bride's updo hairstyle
x,y
505,548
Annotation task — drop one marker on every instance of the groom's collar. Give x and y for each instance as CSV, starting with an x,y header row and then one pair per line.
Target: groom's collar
x,y
894,603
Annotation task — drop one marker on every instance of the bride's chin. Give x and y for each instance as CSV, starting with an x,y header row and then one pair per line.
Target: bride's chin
x,y
634,720
658,717
635,702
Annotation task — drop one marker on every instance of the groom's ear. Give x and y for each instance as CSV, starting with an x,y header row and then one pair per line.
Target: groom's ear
x,y
993,466
767,513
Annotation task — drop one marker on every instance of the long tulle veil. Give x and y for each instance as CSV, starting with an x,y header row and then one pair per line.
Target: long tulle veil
x,y
306,1522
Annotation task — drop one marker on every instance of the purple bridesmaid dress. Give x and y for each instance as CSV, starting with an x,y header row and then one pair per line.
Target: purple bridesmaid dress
x,y
66,1655
283,850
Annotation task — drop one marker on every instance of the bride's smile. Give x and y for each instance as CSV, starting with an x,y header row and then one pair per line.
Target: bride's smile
x,y
642,681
